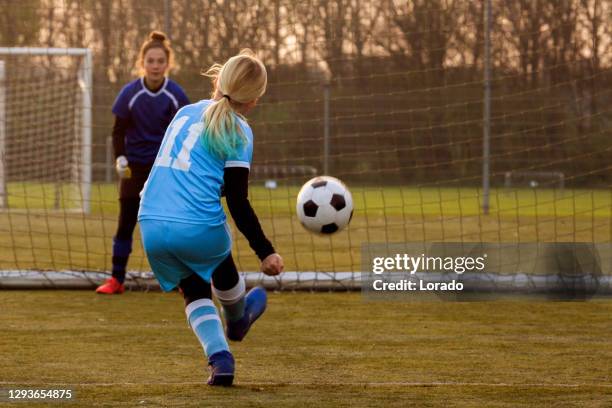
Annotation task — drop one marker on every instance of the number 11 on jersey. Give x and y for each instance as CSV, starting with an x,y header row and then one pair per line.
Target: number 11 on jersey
x,y
181,162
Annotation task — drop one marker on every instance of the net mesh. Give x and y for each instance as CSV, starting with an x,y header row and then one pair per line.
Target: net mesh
x,y
43,131
386,96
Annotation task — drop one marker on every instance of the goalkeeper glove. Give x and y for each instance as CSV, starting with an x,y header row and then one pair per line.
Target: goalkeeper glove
x,y
123,170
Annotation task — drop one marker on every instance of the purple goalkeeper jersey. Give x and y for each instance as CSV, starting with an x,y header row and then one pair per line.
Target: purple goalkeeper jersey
x,y
149,114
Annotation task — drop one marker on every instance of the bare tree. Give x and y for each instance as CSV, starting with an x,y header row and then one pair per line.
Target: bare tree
x,y
332,16
19,22
192,33
593,16
525,35
362,27
562,49
302,16
426,27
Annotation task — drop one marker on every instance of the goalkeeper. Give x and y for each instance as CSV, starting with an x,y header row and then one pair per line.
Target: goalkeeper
x,y
143,109
207,146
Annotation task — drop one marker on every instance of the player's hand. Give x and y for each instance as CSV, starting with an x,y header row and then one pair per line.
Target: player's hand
x,y
272,265
123,170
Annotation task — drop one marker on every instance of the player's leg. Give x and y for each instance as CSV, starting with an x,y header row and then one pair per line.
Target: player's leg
x,y
160,239
129,199
122,241
240,311
204,321
129,202
229,289
122,245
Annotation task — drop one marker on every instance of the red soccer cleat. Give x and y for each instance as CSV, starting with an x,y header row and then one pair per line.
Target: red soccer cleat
x,y
111,287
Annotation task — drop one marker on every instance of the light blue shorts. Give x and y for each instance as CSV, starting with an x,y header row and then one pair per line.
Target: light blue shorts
x,y
177,250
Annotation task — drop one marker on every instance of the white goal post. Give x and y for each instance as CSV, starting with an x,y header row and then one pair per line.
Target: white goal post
x,y
3,197
82,163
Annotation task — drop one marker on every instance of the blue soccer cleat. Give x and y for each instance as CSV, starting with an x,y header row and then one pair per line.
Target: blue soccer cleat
x,y
221,365
255,305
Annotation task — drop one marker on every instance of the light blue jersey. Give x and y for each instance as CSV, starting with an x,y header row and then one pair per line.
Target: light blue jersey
x,y
186,180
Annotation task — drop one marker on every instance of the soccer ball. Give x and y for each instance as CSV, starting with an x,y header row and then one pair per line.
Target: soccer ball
x,y
324,205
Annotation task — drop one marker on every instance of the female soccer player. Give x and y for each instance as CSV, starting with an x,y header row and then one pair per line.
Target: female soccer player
x,y
143,109
208,149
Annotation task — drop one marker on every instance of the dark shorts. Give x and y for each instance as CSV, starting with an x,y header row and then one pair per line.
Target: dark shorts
x,y
131,188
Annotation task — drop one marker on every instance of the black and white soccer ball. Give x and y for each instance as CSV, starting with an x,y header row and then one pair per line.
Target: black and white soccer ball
x,y
324,205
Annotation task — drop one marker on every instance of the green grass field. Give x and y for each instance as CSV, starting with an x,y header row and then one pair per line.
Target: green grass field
x,y
34,235
393,200
311,349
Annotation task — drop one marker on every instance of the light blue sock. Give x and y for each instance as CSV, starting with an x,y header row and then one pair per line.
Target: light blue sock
x,y
232,300
205,323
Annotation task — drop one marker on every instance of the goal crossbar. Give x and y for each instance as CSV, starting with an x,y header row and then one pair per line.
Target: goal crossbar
x,y
44,51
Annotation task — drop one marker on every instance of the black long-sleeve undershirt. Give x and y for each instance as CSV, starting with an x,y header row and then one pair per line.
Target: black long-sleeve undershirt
x,y
236,189
119,130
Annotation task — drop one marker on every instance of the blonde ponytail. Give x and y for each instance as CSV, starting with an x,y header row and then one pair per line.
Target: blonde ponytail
x,y
241,80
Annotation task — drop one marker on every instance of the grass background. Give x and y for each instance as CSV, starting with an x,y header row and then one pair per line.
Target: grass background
x,y
391,200
34,235
311,349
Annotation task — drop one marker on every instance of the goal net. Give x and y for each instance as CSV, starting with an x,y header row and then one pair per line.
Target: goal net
x,y
398,99
45,129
